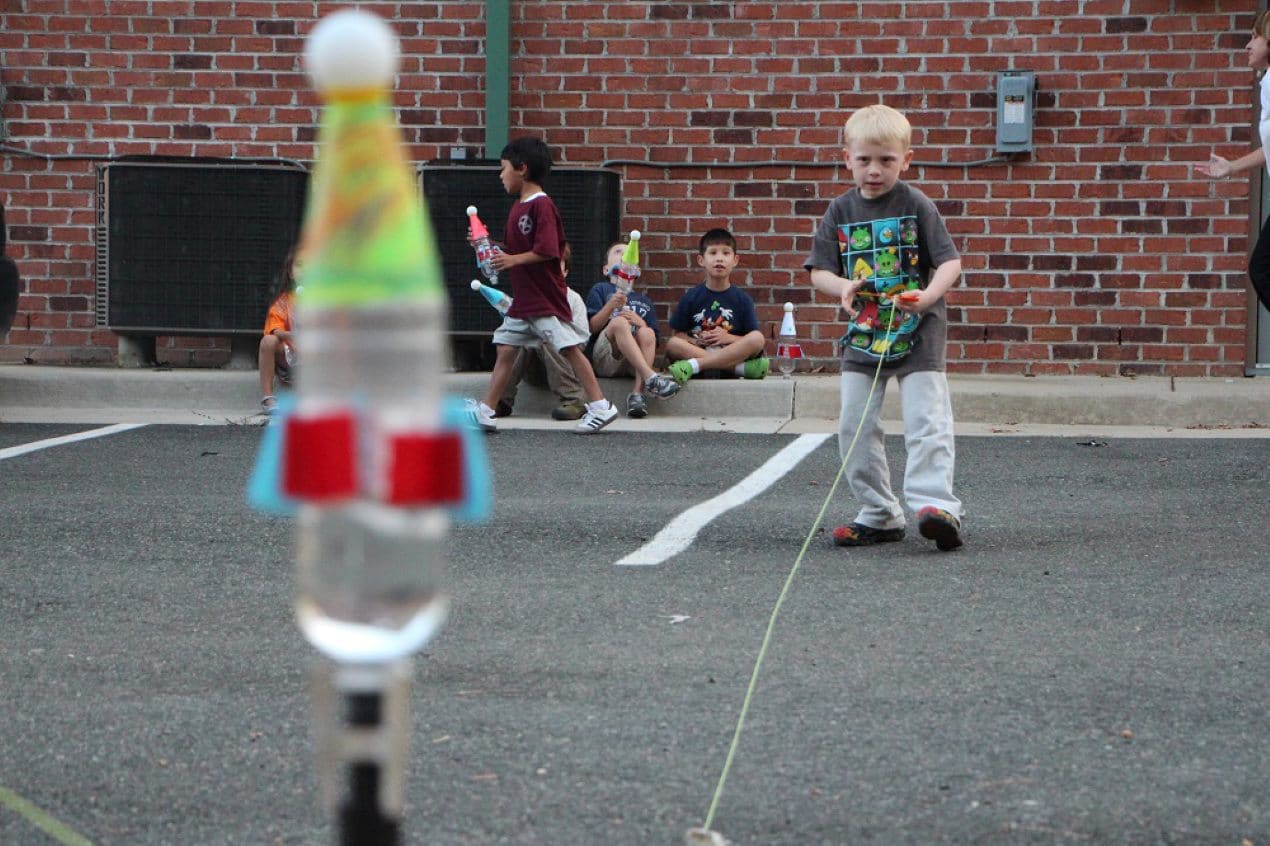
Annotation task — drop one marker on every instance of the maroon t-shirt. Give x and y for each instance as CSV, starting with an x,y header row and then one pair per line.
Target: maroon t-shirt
x,y
538,289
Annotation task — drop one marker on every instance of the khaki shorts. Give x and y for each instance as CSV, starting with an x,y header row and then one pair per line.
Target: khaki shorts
x,y
607,360
549,330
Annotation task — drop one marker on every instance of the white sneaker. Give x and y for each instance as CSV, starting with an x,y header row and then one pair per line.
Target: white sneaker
x,y
481,415
596,419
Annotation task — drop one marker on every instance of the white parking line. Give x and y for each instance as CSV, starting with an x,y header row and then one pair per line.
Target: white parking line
x,y
11,452
682,531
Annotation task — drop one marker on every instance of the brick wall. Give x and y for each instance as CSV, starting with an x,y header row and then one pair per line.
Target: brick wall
x,y
1099,253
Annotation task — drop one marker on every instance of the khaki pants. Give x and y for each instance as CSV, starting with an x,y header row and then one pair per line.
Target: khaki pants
x,y
560,377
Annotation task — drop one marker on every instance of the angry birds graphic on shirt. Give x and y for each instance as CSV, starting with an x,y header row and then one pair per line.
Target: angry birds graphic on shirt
x,y
884,254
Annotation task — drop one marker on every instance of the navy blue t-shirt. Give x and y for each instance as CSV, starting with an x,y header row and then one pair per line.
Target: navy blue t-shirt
x,y
700,309
640,304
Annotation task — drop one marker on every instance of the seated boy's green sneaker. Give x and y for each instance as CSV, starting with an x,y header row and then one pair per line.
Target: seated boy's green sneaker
x,y
681,371
757,368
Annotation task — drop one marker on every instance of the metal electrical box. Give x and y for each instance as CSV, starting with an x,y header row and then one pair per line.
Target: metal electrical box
x,y
193,248
1015,98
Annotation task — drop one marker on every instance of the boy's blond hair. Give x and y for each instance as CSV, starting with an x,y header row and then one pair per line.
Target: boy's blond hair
x,y
878,124
1261,26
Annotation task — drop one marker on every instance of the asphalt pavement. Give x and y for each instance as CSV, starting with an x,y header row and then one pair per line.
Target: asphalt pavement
x,y
1091,668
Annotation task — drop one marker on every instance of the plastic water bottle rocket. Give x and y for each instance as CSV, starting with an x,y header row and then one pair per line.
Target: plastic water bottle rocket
x,y
626,271
500,301
484,247
788,350
370,458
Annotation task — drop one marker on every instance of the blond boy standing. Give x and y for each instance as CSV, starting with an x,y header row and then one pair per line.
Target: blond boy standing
x,y
884,251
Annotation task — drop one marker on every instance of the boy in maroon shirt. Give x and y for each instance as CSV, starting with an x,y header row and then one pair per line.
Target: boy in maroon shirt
x,y
532,245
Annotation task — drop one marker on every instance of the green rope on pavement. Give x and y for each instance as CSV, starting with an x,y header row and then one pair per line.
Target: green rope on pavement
x,y
54,828
780,599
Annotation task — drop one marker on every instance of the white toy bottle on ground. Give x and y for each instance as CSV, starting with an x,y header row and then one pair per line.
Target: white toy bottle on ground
x,y
788,350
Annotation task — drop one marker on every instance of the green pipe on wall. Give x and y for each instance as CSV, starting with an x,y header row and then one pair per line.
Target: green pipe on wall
x,y
497,75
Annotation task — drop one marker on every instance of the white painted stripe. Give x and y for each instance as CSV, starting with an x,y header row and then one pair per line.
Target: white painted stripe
x,y
34,446
682,531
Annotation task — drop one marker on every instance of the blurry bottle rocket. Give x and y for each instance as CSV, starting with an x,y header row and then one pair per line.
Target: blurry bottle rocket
x,y
788,350
367,454
371,457
626,271
500,301
484,247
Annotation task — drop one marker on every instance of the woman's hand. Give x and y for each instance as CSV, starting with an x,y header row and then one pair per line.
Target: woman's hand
x,y
1215,168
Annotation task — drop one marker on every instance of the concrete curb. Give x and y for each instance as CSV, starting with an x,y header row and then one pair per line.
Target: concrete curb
x,y
59,393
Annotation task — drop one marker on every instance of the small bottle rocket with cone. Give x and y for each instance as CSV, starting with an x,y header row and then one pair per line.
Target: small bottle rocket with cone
x,y
369,456
626,271
788,350
484,247
500,301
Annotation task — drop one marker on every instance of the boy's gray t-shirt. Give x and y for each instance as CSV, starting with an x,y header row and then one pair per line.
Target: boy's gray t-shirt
x,y
893,242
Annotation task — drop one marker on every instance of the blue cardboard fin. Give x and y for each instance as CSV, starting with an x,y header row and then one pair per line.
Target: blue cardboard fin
x,y
264,487
475,508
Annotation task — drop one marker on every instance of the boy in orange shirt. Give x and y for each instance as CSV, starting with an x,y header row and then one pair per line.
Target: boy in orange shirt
x,y
277,356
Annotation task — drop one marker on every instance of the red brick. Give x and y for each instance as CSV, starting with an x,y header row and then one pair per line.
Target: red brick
x,y
1114,97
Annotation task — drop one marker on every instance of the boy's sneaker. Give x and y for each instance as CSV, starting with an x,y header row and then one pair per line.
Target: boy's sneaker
x,y
680,371
636,406
661,386
268,405
858,534
597,418
941,527
568,410
481,415
503,408
757,368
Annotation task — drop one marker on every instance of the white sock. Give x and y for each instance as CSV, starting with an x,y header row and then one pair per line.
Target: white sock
x,y
602,404
739,369
695,365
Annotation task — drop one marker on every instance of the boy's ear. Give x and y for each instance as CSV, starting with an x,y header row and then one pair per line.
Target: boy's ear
x,y
908,159
701,260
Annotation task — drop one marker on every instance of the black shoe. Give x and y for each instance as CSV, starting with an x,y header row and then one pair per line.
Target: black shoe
x,y
941,527
503,409
858,534
570,410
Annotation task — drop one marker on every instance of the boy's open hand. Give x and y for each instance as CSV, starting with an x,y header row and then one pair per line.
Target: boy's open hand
x,y
849,288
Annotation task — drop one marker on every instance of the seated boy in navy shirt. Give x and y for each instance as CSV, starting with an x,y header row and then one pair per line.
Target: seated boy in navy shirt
x,y
715,325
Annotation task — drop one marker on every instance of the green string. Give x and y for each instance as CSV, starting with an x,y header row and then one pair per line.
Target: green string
x,y
45,822
780,600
